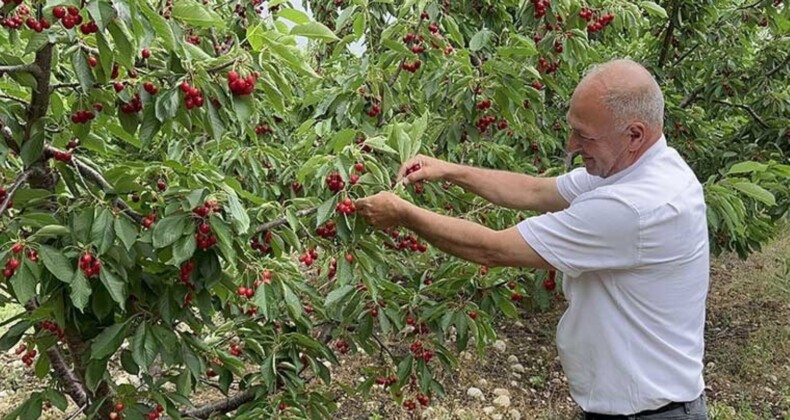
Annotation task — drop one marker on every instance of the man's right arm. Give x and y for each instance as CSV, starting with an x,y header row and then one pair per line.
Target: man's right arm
x,y
507,189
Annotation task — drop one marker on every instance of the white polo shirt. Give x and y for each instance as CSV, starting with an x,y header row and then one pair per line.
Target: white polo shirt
x,y
634,251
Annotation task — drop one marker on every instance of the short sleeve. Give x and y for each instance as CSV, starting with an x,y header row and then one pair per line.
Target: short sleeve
x,y
596,233
576,183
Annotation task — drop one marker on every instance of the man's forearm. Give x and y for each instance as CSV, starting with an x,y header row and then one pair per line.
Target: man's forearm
x,y
507,189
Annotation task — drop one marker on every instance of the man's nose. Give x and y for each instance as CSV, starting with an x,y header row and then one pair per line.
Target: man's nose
x,y
573,145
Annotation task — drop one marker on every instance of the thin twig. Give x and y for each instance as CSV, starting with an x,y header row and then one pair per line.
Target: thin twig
x,y
778,67
14,98
20,179
79,411
98,179
281,221
744,107
383,346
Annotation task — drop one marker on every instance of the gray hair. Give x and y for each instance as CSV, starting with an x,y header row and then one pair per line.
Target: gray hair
x,y
638,99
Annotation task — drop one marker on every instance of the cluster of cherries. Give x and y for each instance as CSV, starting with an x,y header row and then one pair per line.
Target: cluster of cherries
x,y
544,66
335,182
150,88
365,147
90,265
263,129
205,238
235,350
11,265
309,256
89,28
28,358
37,25
135,105
540,7
423,399
186,271
82,116
156,413
346,207
342,346
148,221
327,230
413,67
418,188
52,327
409,242
116,414
374,110
193,97
242,85
264,246
600,24
69,17
420,352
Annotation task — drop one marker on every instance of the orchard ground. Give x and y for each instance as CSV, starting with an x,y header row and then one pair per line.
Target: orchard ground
x,y
746,369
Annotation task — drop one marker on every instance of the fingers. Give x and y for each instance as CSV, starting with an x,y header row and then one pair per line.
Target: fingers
x,y
413,177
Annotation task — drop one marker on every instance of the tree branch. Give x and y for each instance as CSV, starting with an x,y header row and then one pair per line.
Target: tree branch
x,y
225,405
98,179
691,97
746,108
14,98
21,68
281,221
8,137
20,179
668,36
778,67
70,382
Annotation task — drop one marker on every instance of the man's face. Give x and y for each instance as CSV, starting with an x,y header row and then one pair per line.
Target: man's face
x,y
594,134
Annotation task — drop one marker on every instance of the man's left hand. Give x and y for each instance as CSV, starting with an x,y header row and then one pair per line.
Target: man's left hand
x,y
382,210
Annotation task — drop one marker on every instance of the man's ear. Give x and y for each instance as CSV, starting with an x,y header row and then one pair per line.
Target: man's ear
x,y
637,135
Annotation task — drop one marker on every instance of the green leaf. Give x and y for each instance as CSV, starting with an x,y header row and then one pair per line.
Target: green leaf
x,y
160,25
124,51
167,103
654,9
80,290
14,334
106,343
292,302
83,70
747,167
23,284
95,372
144,347
325,210
756,192
395,46
215,123
335,296
480,40
184,249
239,216
103,230
224,237
314,30
169,229
114,285
197,15
296,16
342,139
126,232
56,263
50,230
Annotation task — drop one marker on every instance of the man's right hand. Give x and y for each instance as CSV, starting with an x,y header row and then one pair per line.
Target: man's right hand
x,y
430,169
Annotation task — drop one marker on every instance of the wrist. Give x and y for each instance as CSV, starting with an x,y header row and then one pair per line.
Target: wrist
x,y
451,172
406,211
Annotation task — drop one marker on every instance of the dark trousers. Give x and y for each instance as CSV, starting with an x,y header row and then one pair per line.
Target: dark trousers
x,y
691,410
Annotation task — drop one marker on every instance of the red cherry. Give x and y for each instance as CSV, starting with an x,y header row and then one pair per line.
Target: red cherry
x,y
59,12
145,53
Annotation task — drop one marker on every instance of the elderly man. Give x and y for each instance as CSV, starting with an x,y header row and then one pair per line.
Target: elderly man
x,y
629,233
